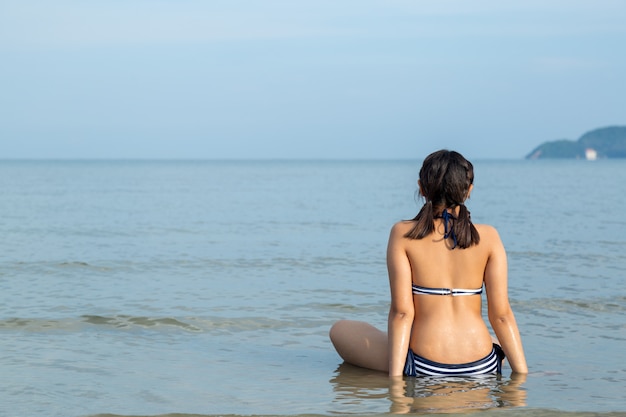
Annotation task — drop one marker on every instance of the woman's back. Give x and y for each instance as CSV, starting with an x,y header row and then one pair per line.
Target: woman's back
x,y
448,323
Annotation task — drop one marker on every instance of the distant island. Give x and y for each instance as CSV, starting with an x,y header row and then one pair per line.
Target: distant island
x,y
606,142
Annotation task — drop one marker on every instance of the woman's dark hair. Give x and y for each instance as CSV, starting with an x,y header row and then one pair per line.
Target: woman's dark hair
x,y
445,179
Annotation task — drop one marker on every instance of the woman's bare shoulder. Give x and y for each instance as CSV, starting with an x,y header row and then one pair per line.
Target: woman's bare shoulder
x,y
487,233
402,227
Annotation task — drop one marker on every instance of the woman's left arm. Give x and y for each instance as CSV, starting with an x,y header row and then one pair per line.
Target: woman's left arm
x,y
401,311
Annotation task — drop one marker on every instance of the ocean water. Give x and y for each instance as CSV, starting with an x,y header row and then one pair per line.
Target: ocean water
x,y
208,287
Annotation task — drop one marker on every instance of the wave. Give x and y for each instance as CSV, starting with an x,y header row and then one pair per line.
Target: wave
x,y
534,412
598,305
122,321
127,322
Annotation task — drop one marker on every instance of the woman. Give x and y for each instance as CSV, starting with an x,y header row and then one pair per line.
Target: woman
x,y
437,264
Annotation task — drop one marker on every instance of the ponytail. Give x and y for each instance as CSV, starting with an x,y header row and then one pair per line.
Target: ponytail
x,y
424,222
464,230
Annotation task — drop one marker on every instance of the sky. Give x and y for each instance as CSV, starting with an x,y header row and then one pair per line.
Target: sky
x,y
302,79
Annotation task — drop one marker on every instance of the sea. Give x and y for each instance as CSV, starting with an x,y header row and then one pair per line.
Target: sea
x,y
207,288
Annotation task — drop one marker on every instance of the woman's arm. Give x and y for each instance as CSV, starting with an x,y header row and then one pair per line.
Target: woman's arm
x,y
500,313
401,311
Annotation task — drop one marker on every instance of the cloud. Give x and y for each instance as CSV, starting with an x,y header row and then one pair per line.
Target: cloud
x,y
74,23
70,23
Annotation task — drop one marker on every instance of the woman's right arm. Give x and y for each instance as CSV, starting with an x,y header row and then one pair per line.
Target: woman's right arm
x,y
500,313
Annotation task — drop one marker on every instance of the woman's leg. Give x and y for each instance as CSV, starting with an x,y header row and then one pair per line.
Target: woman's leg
x,y
361,344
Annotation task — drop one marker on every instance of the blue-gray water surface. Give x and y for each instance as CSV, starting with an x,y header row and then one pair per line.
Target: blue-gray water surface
x,y
208,287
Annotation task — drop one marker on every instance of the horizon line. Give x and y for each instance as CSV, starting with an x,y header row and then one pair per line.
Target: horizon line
x,y
243,159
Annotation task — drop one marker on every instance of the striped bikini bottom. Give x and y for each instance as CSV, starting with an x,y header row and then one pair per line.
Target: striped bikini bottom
x,y
418,366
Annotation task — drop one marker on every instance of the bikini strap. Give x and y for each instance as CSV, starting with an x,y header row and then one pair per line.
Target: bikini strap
x,y
447,226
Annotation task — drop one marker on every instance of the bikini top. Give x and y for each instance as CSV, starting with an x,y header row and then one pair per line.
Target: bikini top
x,y
446,291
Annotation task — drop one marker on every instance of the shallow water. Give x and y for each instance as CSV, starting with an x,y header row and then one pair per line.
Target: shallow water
x,y
203,287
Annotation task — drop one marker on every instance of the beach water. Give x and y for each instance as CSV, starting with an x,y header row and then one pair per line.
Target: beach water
x,y
208,287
